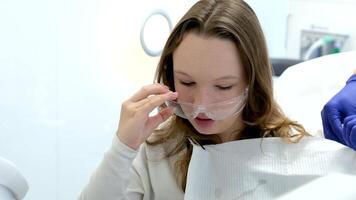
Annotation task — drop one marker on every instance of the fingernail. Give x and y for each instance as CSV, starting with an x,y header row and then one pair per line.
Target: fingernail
x,y
172,94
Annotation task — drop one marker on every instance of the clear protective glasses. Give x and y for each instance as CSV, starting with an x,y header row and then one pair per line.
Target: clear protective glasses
x,y
214,111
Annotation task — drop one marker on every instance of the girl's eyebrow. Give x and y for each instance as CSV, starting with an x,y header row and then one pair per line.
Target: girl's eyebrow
x,y
221,78
227,77
180,72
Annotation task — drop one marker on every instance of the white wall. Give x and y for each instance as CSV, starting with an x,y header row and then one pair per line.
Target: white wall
x,y
65,68
273,16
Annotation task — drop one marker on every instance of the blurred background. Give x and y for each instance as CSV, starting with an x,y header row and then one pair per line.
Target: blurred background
x,y
66,66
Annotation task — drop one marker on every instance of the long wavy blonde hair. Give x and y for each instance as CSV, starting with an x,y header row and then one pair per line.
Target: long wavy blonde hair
x,y
236,21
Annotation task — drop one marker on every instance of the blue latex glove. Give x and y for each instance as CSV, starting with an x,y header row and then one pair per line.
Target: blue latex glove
x,y
349,131
335,113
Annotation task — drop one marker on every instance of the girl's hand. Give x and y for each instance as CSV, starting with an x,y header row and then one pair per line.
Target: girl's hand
x,y
135,124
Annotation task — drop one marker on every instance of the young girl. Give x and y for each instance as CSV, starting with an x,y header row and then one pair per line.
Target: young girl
x,y
214,85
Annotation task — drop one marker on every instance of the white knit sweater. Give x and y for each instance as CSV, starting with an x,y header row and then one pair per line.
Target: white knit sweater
x,y
128,174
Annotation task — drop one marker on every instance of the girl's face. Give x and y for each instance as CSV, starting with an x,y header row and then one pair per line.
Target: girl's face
x,y
208,70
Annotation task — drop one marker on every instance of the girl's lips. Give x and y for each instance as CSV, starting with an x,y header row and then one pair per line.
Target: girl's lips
x,y
199,118
204,122
202,117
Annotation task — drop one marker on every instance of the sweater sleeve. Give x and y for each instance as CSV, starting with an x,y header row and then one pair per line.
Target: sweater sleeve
x,y
116,177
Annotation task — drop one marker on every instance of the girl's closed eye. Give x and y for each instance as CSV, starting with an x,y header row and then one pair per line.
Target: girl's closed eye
x,y
220,87
187,83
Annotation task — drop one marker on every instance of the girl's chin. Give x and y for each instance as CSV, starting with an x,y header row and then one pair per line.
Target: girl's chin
x,y
205,131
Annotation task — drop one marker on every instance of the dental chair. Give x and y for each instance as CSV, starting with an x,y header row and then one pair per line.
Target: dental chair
x,y
281,64
13,185
303,89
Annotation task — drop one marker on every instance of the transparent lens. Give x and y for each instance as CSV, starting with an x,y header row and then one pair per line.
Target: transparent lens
x,y
216,111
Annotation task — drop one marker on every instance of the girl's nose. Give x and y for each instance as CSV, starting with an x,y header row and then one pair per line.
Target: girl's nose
x,y
201,97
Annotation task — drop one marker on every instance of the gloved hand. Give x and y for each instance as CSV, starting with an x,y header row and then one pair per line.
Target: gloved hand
x,y
335,113
349,131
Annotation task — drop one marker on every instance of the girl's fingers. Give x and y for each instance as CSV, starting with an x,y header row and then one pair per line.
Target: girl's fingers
x,y
159,118
145,91
152,102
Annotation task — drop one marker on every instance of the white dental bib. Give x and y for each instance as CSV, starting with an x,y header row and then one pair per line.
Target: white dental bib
x,y
269,168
